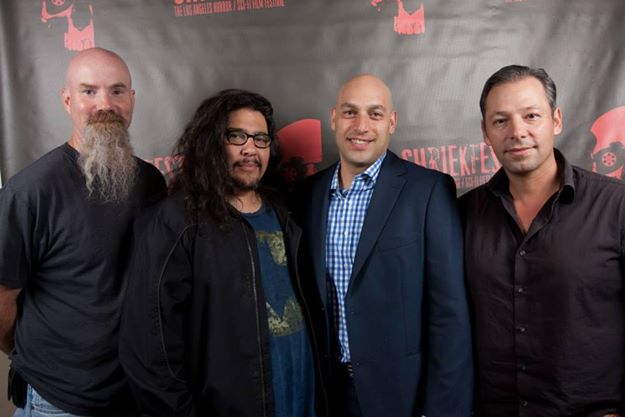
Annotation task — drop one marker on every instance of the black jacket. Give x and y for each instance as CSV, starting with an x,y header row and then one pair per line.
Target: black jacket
x,y
193,336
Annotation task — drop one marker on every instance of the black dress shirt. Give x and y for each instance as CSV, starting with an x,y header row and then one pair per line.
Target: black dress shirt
x,y
548,305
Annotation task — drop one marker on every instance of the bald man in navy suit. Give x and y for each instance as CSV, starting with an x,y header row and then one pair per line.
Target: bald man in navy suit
x,y
386,262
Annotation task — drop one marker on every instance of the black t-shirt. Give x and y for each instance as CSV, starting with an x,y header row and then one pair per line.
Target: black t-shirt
x,y
67,253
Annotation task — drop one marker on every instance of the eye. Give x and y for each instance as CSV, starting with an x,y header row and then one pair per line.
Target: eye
x,y
262,140
533,116
349,113
88,91
499,122
118,91
377,115
236,136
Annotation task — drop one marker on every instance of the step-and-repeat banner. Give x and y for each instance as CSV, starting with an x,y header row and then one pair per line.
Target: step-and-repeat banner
x,y
434,54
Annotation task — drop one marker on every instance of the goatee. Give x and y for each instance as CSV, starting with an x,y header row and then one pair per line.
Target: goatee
x,y
106,157
245,184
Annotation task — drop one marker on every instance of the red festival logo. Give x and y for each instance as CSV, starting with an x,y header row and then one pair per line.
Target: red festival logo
x,y
608,156
406,23
300,148
78,15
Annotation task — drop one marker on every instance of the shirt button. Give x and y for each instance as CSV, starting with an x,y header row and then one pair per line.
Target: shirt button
x,y
520,290
522,253
523,403
521,329
521,367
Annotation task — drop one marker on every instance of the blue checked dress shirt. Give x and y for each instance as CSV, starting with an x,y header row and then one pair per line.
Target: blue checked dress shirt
x,y
346,214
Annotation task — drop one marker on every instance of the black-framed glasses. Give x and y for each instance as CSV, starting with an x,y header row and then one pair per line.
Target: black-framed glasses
x,y
240,137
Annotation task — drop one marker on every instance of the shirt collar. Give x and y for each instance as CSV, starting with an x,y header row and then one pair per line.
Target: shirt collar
x,y
368,176
499,184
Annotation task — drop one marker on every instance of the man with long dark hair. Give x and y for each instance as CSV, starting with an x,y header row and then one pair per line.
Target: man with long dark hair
x,y
215,322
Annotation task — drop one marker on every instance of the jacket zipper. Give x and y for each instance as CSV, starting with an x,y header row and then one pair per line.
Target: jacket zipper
x,y
258,340
310,323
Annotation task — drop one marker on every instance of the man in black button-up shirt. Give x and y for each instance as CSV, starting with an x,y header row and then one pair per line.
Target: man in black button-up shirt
x,y
545,262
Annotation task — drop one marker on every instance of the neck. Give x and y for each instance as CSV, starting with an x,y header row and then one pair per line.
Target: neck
x,y
246,201
347,174
538,185
531,191
74,142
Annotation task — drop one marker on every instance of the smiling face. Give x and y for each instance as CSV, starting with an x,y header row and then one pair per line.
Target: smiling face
x,y
520,126
247,163
363,122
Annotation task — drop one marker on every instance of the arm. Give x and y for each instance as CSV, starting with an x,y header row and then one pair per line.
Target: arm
x,y
449,389
152,336
8,313
18,253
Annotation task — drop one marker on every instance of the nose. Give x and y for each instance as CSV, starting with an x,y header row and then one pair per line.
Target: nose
x,y
518,129
104,102
362,123
249,148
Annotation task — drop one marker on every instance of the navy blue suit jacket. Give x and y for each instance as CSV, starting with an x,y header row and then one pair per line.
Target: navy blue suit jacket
x,y
407,316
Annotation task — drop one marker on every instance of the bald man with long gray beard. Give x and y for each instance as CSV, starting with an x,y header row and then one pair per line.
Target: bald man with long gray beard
x,y
64,224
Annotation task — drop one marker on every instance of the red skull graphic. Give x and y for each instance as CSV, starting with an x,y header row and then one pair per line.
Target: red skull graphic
x,y
609,153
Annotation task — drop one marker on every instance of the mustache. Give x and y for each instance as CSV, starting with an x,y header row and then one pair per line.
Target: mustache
x,y
106,117
246,161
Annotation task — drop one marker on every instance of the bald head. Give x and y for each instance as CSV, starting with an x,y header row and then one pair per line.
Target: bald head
x,y
367,84
363,121
96,79
95,57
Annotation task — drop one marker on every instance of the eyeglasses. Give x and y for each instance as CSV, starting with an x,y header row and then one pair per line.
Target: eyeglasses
x,y
240,137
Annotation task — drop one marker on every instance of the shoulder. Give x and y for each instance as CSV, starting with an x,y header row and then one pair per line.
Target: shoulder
x,y
474,195
151,185
150,173
416,175
147,169
168,216
592,189
318,178
303,190
597,182
472,200
41,172
395,163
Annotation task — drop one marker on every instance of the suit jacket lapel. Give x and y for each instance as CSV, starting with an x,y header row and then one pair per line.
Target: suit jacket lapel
x,y
385,194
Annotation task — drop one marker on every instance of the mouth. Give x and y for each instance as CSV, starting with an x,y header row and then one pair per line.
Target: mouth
x,y
359,142
248,164
519,151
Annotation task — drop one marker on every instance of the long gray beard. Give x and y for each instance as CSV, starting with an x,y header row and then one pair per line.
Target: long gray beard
x,y
106,158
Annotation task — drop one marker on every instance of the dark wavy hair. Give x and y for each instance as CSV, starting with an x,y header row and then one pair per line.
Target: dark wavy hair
x,y
204,176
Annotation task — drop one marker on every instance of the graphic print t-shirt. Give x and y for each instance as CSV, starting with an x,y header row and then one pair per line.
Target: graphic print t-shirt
x,y
291,357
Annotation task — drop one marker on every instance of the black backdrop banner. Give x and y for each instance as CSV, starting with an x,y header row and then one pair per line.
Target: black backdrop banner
x,y
434,54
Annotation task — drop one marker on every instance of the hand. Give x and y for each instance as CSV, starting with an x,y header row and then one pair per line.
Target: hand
x,y
612,415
